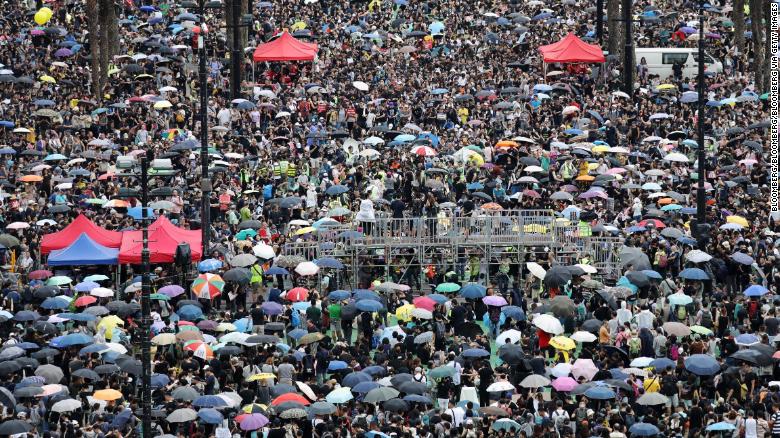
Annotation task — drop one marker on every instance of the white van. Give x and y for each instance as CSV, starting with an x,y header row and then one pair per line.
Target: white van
x,y
660,61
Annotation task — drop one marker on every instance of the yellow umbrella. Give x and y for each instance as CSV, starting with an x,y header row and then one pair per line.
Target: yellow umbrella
x,y
162,104
47,78
585,178
164,339
113,71
254,408
261,376
535,228
305,230
666,87
737,220
599,149
107,394
225,327
563,343
299,25
109,323
477,159
404,313
562,221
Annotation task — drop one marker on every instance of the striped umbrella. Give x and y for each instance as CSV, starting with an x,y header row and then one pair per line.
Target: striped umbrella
x,y
208,286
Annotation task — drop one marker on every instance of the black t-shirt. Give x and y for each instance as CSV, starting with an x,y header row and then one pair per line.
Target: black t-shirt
x,y
696,417
771,326
485,377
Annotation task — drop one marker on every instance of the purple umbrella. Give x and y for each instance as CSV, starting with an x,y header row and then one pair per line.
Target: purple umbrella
x,y
593,194
272,308
570,188
172,290
253,421
494,300
688,30
37,32
63,52
715,36
207,324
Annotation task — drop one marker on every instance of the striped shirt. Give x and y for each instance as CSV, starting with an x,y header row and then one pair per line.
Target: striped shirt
x,y
776,424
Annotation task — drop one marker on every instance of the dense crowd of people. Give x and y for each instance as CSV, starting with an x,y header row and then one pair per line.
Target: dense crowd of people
x,y
435,110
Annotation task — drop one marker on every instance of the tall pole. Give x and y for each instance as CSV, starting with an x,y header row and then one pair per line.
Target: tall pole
x,y
146,358
205,183
628,52
235,52
600,20
701,214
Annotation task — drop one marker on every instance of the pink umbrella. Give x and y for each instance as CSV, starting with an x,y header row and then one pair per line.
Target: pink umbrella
x,y
424,303
564,384
584,368
615,171
494,300
37,32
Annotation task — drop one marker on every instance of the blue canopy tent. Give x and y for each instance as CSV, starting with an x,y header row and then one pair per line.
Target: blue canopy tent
x,y
84,251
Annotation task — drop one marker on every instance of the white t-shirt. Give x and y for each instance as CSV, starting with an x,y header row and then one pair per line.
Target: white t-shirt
x,y
458,370
751,428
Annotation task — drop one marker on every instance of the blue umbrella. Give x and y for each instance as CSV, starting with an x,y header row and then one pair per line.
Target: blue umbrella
x,y
742,258
721,427
694,274
336,190
404,138
276,270
369,305
297,333
209,265
84,317
439,298
572,131
756,290
475,186
210,416
27,345
137,214
747,339
663,363
353,379
7,124
543,88
209,401
339,295
643,429
600,393
376,434
120,420
473,291
375,370
652,274
190,312
329,262
71,339
702,365
94,348
43,102
475,352
147,8
7,151
336,365
86,286
513,312
365,294
364,387
52,303
617,373
160,380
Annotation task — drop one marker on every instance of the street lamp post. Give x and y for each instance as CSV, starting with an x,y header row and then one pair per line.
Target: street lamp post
x,y
146,356
600,20
701,214
205,182
236,54
628,51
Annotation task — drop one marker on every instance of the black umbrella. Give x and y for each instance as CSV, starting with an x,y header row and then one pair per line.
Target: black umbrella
x,y
238,275
591,325
229,350
470,330
511,354
107,369
638,278
86,373
608,298
281,388
616,383
183,303
396,405
250,224
46,292
131,366
752,356
28,391
14,427
630,256
9,367
413,388
45,352
400,378
7,399
557,276
27,362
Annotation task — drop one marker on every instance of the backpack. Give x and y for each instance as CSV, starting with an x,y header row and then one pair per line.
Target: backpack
x,y
681,312
663,261
308,364
706,319
753,309
295,319
668,387
361,422
634,345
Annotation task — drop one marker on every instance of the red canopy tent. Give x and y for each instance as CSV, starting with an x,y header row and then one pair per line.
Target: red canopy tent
x,y
572,49
164,238
285,48
81,225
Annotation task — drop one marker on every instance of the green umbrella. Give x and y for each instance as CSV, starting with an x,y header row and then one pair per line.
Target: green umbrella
x,y
764,96
161,297
442,371
96,201
447,287
246,234
58,280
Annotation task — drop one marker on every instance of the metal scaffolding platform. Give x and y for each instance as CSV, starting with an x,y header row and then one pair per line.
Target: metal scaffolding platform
x,y
402,249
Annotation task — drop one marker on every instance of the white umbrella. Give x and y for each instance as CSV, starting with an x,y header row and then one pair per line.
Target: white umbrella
x,y
584,368
360,85
621,94
635,371
267,93
17,225
500,387
583,336
652,399
535,381
233,400
373,141
548,323
698,256
235,337
101,292
306,390
66,405
561,370
307,269
571,109
264,251
513,335
536,270
43,222
421,313
589,269
676,157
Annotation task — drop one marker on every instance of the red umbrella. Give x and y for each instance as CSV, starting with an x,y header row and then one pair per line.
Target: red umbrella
x,y
653,223
424,303
297,294
84,301
290,397
39,274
